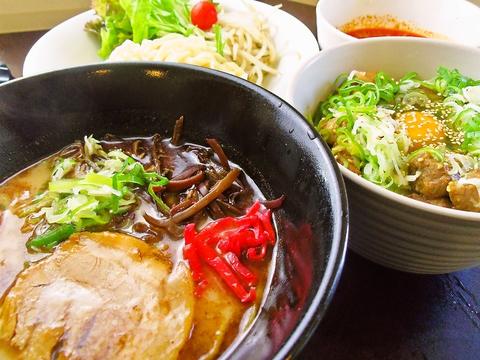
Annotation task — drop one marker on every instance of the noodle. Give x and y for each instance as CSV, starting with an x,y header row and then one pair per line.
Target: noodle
x,y
194,50
248,49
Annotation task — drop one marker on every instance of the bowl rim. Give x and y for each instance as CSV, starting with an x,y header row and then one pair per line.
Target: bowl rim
x,y
321,19
320,297
350,175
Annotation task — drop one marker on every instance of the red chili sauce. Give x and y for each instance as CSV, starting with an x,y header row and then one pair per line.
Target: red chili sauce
x,y
380,31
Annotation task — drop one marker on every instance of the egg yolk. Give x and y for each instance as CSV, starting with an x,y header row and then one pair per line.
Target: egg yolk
x,y
423,129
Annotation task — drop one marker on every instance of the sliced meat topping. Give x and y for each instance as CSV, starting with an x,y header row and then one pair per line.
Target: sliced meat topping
x,y
443,202
347,160
216,314
433,178
99,296
464,192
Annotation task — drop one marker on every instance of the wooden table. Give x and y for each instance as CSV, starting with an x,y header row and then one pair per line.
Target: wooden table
x,y
376,313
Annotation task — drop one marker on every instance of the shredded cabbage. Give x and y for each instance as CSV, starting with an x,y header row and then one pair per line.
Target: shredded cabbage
x,y
63,167
107,189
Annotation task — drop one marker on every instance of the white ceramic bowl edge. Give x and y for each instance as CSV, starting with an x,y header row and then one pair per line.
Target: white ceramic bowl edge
x,y
455,19
386,227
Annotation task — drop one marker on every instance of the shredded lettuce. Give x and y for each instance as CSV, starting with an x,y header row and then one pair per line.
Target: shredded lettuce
x,y
138,20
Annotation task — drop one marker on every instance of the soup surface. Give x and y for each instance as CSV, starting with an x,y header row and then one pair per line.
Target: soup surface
x,y
383,25
131,249
420,138
380,31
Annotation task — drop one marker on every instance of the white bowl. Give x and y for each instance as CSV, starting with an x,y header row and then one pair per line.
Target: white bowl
x,y
68,45
458,20
388,228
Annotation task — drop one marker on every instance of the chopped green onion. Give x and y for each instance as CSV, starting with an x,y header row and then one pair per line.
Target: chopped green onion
x,y
437,154
362,122
52,237
94,199
449,82
128,161
62,185
97,179
356,118
130,179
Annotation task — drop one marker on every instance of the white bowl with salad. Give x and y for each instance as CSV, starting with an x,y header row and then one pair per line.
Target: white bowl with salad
x,y
402,117
246,38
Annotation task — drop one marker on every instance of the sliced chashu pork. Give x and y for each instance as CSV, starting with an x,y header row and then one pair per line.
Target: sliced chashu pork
x,y
216,321
99,296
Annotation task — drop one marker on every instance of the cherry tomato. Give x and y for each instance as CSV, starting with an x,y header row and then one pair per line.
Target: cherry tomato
x,y
204,15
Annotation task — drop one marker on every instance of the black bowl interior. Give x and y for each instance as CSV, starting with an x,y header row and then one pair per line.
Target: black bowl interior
x,y
261,132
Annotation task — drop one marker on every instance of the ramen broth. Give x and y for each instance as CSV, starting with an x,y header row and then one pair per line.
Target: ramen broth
x,y
212,331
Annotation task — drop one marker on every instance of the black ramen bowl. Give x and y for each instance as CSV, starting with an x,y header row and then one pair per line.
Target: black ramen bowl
x,y
260,132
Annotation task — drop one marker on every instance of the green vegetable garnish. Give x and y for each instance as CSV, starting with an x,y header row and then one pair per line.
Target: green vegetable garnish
x,y
437,154
138,20
362,139
218,38
96,198
161,205
63,167
448,82
361,120
51,238
92,200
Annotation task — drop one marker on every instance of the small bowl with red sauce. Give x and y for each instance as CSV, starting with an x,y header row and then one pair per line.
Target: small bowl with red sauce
x,y
350,20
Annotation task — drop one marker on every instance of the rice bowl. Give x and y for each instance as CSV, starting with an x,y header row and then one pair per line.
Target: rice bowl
x,y
387,227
